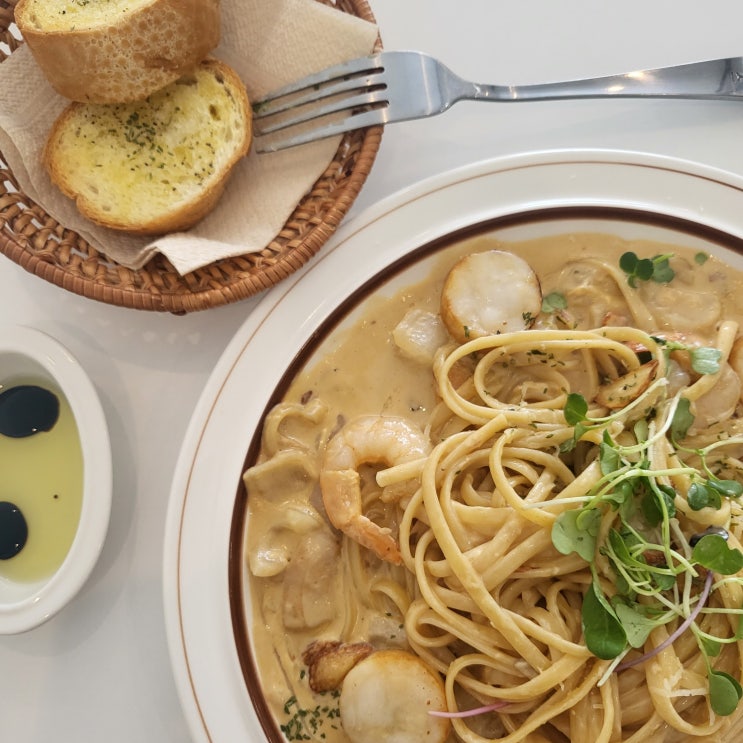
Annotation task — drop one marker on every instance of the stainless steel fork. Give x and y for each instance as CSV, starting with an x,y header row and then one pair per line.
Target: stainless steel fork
x,y
399,86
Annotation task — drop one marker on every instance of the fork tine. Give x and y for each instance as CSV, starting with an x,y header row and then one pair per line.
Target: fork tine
x,y
374,98
279,104
354,121
357,66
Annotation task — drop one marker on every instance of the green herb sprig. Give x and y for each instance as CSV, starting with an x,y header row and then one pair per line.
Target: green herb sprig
x,y
553,302
628,519
704,359
657,268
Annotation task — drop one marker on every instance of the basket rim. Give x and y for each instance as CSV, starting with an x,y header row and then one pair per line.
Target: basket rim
x,y
37,243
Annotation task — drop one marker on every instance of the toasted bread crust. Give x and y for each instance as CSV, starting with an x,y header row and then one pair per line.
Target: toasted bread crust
x,y
123,58
153,177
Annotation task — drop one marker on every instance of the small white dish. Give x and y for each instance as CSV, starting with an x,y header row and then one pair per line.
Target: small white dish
x,y
28,354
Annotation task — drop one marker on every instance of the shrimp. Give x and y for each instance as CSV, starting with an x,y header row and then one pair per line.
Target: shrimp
x,y
718,401
387,697
366,440
419,335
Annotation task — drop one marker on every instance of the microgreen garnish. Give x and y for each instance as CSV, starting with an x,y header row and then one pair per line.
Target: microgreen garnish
x,y
709,493
724,692
605,637
704,360
553,302
682,420
656,269
628,524
701,600
712,552
576,409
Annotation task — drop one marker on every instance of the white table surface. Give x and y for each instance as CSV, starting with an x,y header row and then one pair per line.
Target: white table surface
x,y
99,670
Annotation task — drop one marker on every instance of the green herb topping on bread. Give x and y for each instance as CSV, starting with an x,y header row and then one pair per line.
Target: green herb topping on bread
x,y
157,165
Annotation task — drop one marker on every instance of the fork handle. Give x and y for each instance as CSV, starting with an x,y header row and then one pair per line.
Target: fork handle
x,y
720,79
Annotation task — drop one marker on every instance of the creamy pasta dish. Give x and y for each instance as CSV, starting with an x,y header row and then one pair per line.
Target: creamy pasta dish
x,y
504,504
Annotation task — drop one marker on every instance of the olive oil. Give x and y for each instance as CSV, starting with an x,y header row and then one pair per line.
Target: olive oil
x,y
42,475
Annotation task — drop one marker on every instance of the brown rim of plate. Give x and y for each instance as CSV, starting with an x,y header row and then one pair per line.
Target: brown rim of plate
x,y
38,243
238,579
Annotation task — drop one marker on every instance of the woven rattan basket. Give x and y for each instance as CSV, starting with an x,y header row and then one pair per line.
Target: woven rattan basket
x,y
42,246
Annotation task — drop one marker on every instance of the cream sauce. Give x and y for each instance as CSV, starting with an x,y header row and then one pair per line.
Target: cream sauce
x,y
308,590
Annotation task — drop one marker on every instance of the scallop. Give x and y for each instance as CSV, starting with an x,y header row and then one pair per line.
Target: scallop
x,y
720,402
489,293
419,334
387,697
592,295
683,309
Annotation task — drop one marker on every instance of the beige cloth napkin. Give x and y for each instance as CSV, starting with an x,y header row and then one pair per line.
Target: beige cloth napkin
x,y
269,43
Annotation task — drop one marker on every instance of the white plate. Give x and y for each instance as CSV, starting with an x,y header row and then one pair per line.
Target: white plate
x,y
547,191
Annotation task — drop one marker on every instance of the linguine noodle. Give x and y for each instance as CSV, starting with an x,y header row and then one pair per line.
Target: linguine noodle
x,y
490,578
